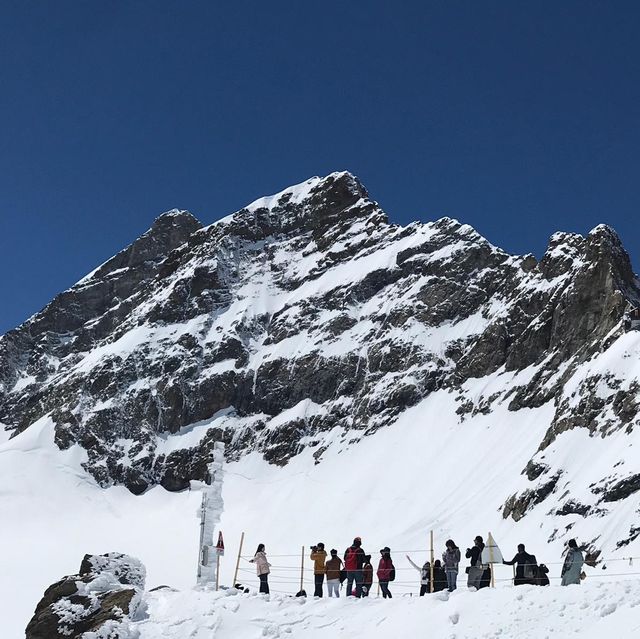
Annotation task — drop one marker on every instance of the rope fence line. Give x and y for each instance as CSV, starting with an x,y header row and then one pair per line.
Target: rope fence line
x,y
395,552
283,576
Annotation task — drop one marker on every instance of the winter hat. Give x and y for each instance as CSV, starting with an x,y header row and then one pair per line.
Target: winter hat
x,y
478,538
357,541
321,545
334,551
385,549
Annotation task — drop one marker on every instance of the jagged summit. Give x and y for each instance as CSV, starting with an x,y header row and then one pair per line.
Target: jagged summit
x,y
326,206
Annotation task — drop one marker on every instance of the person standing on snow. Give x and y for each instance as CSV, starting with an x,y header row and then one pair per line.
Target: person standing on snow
x,y
386,572
525,567
425,575
572,566
439,577
476,569
262,568
318,556
332,569
353,562
367,576
451,559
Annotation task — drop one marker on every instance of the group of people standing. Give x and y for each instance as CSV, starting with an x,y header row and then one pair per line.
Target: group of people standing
x,y
356,569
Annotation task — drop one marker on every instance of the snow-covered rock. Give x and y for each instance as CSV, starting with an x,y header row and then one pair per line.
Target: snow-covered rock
x,y
97,603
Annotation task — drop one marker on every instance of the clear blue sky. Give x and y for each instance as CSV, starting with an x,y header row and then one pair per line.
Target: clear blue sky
x,y
520,118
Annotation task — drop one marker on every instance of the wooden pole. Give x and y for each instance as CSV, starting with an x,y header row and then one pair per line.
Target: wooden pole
x,y
218,571
431,568
302,569
493,578
235,574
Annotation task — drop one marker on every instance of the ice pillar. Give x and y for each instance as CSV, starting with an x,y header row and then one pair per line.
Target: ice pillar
x,y
210,512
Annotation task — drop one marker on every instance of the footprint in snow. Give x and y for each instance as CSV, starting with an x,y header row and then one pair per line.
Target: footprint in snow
x,y
608,609
454,618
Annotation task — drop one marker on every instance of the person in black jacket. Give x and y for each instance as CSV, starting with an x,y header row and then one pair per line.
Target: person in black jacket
x,y
476,569
439,577
353,563
526,567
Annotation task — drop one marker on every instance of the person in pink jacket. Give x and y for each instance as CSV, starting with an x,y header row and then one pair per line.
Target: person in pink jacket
x,y
262,568
386,572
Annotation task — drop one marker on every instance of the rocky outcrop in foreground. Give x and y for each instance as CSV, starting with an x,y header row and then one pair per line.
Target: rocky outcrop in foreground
x,y
96,603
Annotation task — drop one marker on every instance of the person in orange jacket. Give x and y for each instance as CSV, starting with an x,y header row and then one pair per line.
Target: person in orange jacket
x,y
319,556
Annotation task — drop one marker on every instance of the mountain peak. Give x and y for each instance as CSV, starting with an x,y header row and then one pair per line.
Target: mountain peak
x,y
326,206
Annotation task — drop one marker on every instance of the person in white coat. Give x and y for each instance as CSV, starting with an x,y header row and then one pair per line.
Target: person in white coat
x,y
262,568
425,576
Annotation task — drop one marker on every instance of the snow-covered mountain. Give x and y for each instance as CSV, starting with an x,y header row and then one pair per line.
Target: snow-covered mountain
x,y
363,376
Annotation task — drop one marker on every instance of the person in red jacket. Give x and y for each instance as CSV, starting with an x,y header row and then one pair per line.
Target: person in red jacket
x,y
353,562
386,572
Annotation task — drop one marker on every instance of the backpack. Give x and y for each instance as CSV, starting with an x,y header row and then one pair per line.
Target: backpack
x,y
350,561
479,563
531,568
543,580
392,573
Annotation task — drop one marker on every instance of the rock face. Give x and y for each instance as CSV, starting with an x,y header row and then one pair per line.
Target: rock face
x,y
97,602
307,313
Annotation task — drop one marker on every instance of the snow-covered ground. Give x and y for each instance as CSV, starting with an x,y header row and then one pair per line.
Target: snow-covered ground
x,y
592,610
427,472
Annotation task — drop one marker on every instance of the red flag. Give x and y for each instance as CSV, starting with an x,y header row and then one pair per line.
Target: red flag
x,y
220,544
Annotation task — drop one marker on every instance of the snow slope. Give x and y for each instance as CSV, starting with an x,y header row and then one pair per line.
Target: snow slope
x,y
590,611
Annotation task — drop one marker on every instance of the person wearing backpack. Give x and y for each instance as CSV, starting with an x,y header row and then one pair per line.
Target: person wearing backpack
x,y
451,559
353,562
262,568
477,568
367,576
332,570
318,556
526,567
386,572
572,566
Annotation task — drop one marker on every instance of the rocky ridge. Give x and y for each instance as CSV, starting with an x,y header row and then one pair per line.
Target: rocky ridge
x,y
307,314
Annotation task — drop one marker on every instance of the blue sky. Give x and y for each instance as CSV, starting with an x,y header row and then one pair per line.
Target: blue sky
x,y
520,118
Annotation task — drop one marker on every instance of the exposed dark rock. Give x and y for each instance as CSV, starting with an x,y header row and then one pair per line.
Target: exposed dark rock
x,y
108,588
622,489
518,505
572,507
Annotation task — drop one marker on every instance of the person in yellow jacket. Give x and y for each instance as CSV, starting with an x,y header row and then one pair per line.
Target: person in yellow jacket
x,y
318,556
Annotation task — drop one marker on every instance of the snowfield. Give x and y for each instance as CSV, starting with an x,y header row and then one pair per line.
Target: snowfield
x,y
592,610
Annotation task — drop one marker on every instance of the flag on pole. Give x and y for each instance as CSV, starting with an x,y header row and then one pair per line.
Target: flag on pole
x,y
491,553
220,544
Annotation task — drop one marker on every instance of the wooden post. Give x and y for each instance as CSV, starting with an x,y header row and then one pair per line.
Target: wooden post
x,y
431,565
235,574
218,570
493,578
302,569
